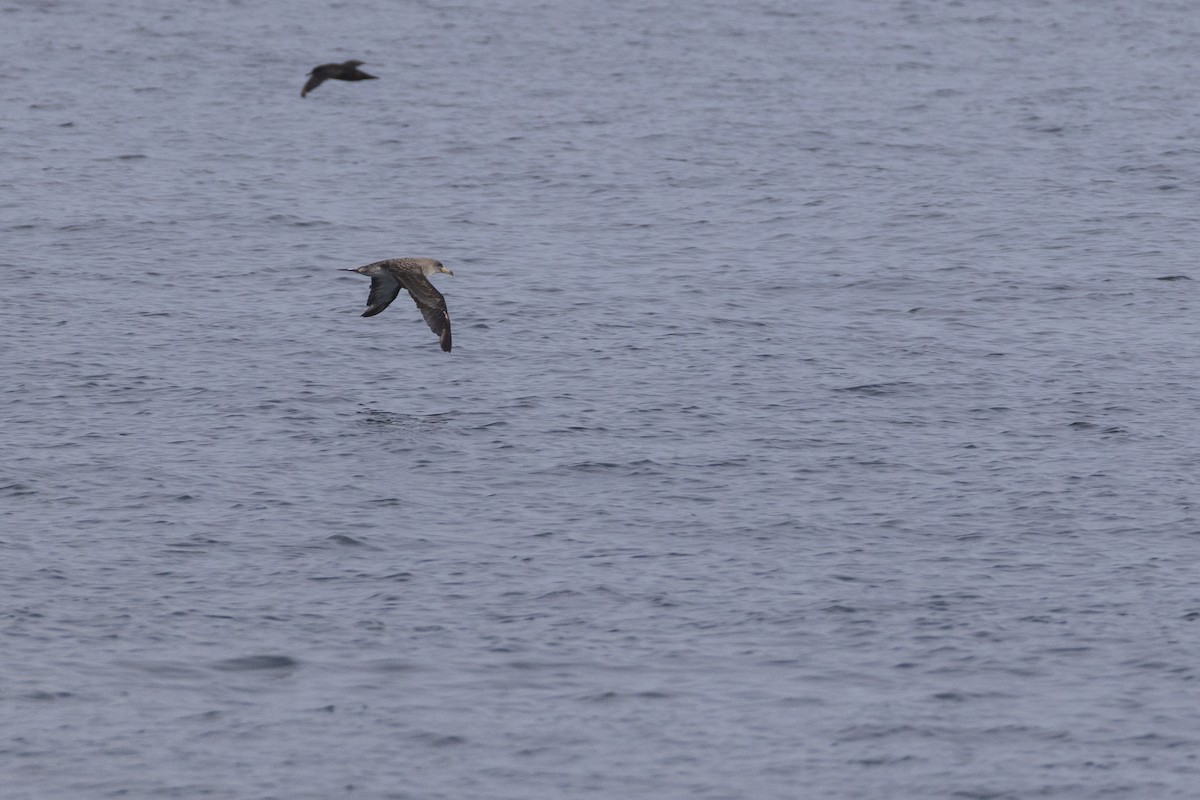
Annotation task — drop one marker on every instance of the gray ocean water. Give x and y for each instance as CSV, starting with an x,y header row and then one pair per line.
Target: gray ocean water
x,y
821,421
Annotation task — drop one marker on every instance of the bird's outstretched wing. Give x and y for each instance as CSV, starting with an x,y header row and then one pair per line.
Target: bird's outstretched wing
x,y
384,288
316,78
432,305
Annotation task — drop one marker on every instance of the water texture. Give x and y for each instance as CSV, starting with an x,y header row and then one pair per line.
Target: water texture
x,y
820,423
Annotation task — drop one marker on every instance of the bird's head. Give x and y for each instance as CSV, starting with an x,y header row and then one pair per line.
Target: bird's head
x,y
442,268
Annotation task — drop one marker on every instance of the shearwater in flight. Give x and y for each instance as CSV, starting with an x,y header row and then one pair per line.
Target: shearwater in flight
x,y
346,71
388,277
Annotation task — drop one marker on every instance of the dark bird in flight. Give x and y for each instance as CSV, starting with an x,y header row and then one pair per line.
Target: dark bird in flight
x,y
346,71
390,276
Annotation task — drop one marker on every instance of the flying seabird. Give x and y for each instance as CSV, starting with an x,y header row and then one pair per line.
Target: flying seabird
x,y
390,276
346,71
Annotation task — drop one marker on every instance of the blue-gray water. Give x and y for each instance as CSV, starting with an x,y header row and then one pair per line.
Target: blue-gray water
x,y
820,423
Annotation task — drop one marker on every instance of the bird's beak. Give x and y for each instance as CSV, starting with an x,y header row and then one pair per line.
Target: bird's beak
x,y
448,272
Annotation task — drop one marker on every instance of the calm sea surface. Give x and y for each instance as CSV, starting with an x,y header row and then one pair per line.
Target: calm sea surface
x,y
821,423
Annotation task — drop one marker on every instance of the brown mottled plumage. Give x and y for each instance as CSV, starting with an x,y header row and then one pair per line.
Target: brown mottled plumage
x,y
390,276
346,71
